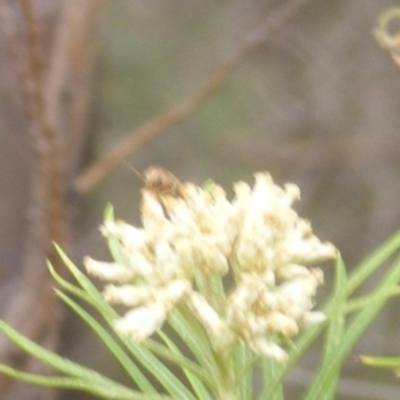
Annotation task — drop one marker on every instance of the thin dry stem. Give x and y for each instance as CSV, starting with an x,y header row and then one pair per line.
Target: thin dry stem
x,y
69,80
91,177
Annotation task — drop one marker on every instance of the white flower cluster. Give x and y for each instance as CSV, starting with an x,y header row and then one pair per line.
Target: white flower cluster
x,y
257,239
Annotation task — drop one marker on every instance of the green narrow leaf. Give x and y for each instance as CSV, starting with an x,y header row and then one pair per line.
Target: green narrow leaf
x,y
362,272
98,303
381,362
56,362
108,213
334,338
364,301
218,285
373,262
195,375
335,331
129,366
142,355
85,283
211,287
178,358
195,338
357,327
101,390
272,374
243,357
273,389
113,243
90,293
152,364
68,286
163,375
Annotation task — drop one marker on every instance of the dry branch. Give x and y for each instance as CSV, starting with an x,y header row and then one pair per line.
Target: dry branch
x,y
34,309
99,169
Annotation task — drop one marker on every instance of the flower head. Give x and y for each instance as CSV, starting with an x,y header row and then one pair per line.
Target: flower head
x,y
191,234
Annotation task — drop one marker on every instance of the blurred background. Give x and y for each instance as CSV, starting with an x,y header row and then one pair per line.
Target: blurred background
x,y
316,103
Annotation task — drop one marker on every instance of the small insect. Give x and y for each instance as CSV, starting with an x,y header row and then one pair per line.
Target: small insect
x,y
160,182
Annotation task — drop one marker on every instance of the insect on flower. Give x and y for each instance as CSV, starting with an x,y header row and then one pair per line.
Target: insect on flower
x,y
159,182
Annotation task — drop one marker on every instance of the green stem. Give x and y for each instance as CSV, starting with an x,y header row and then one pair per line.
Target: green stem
x,y
228,388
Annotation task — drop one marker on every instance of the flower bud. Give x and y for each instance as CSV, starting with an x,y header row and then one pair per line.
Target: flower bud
x,y
142,322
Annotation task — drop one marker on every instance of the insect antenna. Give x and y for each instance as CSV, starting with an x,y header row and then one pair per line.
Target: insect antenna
x,y
135,171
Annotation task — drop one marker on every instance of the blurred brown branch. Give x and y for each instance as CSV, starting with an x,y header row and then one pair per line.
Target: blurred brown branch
x,y
34,309
49,204
89,178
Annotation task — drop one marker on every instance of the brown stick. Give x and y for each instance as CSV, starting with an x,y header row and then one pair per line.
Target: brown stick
x,y
32,308
47,221
69,80
89,178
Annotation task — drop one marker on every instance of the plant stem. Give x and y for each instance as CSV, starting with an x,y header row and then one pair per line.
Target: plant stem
x,y
228,389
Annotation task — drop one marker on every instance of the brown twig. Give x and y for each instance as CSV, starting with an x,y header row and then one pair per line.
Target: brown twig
x,y
69,81
89,178
32,309
25,311
48,215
